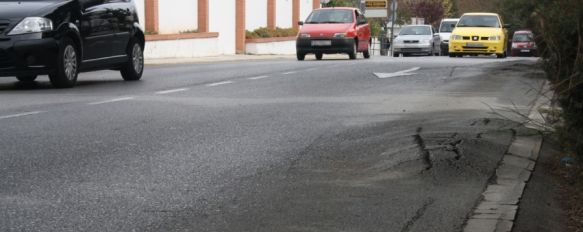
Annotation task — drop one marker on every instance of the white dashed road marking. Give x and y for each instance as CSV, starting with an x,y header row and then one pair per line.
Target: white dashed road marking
x,y
257,78
220,83
288,73
172,91
21,114
397,74
112,100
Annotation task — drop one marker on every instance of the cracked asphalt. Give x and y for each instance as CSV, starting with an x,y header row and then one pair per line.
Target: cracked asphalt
x,y
274,145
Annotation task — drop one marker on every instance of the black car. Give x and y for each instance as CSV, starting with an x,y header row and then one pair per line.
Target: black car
x,y
63,37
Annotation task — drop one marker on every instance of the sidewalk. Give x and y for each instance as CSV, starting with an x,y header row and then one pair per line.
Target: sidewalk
x,y
213,59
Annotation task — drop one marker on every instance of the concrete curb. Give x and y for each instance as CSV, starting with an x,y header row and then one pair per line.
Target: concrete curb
x,y
215,59
498,210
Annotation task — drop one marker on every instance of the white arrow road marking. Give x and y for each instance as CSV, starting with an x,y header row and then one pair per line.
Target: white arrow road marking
x,y
112,101
220,83
257,78
171,91
398,74
21,114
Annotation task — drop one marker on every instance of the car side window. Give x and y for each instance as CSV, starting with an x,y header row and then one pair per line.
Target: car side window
x,y
360,19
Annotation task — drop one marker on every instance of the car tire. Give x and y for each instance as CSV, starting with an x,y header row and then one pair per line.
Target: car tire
x,y
68,62
452,55
396,54
319,56
134,68
501,56
26,79
301,56
352,54
367,53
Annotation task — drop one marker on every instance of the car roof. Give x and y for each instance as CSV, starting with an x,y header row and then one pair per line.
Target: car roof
x,y
337,8
417,25
523,32
450,20
481,13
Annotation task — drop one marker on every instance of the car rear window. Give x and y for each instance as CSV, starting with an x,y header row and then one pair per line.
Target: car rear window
x,y
479,21
415,30
331,16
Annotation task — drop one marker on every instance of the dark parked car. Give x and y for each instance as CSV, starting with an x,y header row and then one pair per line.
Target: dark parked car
x,y
63,37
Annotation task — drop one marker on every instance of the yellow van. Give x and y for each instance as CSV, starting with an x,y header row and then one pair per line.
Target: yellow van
x,y
479,34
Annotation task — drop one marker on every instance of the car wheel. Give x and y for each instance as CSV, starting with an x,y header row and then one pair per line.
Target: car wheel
x,y
501,56
352,54
26,79
395,54
319,56
301,56
67,65
452,55
134,68
367,53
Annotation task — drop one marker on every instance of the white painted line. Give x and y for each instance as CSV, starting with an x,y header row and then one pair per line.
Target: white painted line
x,y
21,114
288,73
398,74
220,83
172,91
112,100
257,78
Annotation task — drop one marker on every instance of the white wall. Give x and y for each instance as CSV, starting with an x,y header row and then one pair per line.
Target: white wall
x,y
305,9
177,15
256,14
222,20
186,48
274,48
284,13
141,13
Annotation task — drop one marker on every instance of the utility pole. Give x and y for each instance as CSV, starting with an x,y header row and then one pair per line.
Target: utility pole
x,y
393,21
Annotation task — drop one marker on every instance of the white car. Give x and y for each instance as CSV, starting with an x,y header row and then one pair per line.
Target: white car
x,y
417,39
445,29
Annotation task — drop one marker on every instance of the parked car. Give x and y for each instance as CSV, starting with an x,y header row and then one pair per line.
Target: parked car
x,y
523,44
63,37
445,28
416,39
332,31
479,34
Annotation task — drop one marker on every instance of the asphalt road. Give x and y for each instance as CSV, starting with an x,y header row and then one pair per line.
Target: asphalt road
x,y
276,145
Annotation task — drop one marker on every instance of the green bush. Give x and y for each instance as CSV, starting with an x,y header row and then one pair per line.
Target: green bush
x,y
264,32
558,25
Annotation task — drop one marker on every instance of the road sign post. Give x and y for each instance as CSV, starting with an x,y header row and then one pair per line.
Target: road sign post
x,y
394,6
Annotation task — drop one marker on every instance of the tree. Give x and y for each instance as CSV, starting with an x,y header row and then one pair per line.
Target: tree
x,y
450,8
431,10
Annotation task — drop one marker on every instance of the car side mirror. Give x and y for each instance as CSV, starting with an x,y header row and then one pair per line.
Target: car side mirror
x,y
301,23
507,26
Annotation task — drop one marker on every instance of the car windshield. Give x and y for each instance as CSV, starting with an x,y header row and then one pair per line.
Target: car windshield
x,y
415,30
479,21
330,16
447,27
523,38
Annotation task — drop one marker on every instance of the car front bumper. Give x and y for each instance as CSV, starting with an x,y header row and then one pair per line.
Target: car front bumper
x,y
25,57
336,45
412,48
476,47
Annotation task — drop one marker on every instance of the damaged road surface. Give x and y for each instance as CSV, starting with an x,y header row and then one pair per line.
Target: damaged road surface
x,y
309,146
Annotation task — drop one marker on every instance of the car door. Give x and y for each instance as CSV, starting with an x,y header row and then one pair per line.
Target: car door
x,y
122,20
96,30
362,29
436,39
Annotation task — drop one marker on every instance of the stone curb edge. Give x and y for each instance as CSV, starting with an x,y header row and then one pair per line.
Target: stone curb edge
x,y
499,207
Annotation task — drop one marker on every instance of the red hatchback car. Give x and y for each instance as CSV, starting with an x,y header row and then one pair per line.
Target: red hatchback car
x,y
523,44
332,31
